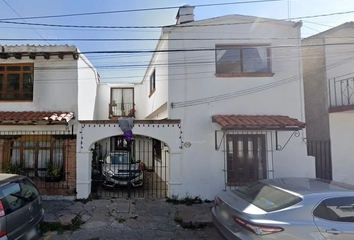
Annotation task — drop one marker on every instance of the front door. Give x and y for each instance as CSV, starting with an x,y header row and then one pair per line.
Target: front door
x,y
246,158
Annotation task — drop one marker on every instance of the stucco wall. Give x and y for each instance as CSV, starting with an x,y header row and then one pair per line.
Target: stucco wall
x,y
147,105
87,89
55,85
202,167
104,98
331,57
315,89
342,137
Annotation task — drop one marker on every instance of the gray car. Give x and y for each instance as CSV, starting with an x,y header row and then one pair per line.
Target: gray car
x,y
286,209
21,211
120,168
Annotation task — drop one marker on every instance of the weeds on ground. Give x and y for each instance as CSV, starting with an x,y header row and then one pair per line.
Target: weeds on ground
x,y
187,200
76,223
52,227
178,218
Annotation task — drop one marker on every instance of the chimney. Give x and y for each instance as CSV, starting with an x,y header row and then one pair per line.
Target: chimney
x,y
185,14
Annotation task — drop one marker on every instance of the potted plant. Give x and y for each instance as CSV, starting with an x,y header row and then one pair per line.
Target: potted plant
x,y
14,168
132,113
54,173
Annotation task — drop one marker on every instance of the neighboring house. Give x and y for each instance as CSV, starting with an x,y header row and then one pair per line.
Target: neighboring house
x,y
235,96
44,90
329,102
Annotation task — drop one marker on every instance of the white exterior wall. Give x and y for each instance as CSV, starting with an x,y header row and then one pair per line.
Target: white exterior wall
x,y
87,89
339,52
146,105
342,139
55,85
104,98
339,46
339,55
201,166
90,133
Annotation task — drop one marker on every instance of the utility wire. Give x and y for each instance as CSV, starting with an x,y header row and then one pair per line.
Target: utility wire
x,y
212,49
142,9
42,38
179,26
254,89
156,39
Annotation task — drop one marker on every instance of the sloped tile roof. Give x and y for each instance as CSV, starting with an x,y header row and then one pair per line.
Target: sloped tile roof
x,y
29,117
257,122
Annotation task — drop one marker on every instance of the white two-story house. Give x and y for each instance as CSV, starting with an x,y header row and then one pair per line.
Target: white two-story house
x,y
44,90
233,85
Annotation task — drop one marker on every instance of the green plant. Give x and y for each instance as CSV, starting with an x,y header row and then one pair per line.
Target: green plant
x,y
76,223
14,168
178,218
53,170
174,199
188,200
50,227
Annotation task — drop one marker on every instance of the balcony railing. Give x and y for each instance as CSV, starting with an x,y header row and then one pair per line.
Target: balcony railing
x,y
121,109
341,92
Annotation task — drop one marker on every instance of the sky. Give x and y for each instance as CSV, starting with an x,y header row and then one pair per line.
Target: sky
x,y
109,66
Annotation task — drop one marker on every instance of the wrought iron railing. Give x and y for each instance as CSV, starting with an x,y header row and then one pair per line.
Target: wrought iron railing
x,y
341,91
121,109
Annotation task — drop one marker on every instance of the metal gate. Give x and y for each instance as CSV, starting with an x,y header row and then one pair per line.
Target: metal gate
x,y
321,150
136,171
48,158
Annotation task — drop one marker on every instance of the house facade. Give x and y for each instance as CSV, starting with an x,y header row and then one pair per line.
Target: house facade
x,y
328,82
235,85
221,104
43,92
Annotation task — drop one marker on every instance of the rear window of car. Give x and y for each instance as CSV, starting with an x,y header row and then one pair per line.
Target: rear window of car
x,y
17,194
266,197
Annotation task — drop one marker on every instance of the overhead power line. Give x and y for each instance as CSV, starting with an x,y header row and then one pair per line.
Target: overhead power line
x,y
160,26
142,10
154,39
254,89
42,38
211,49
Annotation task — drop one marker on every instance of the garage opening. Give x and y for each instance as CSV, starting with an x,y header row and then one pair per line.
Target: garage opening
x,y
123,171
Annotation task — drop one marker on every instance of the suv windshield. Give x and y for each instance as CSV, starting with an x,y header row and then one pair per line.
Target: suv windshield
x,y
266,197
118,158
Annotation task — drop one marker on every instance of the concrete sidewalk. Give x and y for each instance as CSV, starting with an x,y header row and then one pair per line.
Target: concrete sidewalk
x,y
129,219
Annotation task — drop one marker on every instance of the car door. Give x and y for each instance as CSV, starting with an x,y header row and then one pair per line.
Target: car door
x,y
334,218
16,213
33,204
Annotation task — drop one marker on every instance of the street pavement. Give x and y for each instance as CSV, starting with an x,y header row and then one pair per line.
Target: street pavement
x,y
133,219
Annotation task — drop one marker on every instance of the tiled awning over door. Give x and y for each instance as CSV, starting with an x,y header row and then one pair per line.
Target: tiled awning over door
x,y
257,122
35,118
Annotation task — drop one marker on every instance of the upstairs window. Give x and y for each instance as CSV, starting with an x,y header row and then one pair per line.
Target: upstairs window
x,y
152,83
122,102
242,60
16,82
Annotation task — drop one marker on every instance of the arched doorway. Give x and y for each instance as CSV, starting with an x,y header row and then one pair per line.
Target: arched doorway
x,y
139,171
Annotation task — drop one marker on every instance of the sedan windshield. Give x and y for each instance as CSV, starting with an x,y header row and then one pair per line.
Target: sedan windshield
x,y
266,197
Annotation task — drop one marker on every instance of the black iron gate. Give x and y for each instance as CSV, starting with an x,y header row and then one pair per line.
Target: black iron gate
x,y
321,150
139,173
48,158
